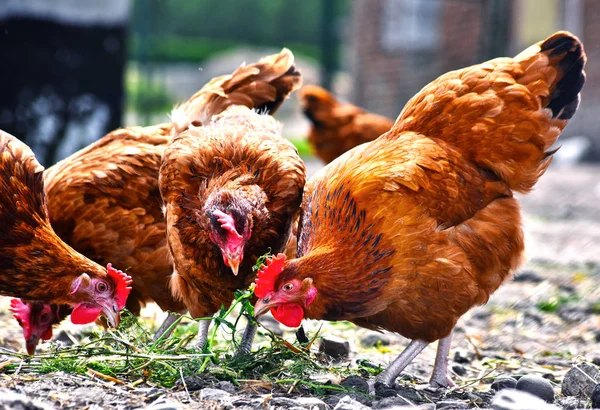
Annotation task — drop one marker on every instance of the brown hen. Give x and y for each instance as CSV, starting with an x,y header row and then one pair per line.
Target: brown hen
x,y
410,231
337,127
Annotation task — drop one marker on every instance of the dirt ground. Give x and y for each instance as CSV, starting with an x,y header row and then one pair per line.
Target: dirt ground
x,y
513,334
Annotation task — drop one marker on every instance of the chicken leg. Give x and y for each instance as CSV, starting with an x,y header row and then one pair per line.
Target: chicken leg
x,y
245,346
203,326
439,376
163,330
413,349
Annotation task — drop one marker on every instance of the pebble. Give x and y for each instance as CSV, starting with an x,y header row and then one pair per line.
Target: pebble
x,y
528,276
214,394
165,404
504,382
596,359
283,402
537,386
399,403
355,383
451,405
335,347
10,400
596,397
462,357
510,399
272,324
571,403
312,403
374,338
459,369
348,403
575,312
580,380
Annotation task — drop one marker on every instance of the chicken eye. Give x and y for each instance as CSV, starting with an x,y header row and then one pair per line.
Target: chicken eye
x,y
288,286
44,318
101,287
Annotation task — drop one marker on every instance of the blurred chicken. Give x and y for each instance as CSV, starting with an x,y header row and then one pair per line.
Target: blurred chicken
x,y
104,201
34,262
410,231
336,127
232,188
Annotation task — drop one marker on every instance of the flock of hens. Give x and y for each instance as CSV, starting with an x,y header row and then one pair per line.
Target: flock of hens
x,y
411,223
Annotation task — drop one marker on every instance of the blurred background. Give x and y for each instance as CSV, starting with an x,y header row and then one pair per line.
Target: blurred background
x,y
74,70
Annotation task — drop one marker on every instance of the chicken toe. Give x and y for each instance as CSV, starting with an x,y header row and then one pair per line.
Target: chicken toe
x,y
413,349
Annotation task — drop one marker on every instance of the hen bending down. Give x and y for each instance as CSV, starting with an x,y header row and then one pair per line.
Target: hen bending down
x,y
410,231
34,262
104,200
231,188
337,127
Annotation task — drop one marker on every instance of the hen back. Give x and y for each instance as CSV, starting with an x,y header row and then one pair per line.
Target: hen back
x,y
408,232
34,262
337,127
238,154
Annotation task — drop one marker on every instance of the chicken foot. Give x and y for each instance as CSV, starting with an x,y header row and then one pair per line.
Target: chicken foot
x,y
411,351
203,326
439,376
163,330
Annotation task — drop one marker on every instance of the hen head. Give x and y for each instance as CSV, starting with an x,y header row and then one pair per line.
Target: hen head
x,y
230,231
279,291
36,319
317,103
95,295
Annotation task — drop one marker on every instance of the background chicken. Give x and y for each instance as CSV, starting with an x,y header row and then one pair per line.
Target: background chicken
x,y
428,210
232,188
104,201
336,127
34,262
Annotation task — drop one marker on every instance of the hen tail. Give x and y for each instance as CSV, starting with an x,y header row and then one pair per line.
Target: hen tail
x,y
263,86
505,114
22,197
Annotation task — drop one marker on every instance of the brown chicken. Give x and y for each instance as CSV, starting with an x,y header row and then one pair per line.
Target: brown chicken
x,y
104,201
410,231
232,188
336,127
34,262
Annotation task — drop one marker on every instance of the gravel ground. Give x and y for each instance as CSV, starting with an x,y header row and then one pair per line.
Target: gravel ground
x,y
541,324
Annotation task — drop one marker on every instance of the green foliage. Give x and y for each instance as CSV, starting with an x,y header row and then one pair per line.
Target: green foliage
x,y
146,96
260,261
552,304
302,145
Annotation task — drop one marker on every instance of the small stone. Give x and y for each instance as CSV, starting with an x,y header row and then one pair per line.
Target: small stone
x,y
571,403
504,382
400,403
596,359
283,402
214,394
12,400
510,399
574,312
580,380
537,386
462,357
374,338
596,397
528,276
64,338
355,383
459,369
335,347
312,403
348,403
451,405
165,404
272,324
226,386
597,337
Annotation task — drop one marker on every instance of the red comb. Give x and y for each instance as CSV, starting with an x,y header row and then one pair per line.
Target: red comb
x,y
265,279
227,223
122,280
21,312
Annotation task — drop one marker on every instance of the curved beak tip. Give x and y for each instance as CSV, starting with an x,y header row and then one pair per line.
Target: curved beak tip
x,y
234,264
31,346
260,308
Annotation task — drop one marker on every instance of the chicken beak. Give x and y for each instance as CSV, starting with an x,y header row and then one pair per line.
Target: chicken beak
x,y
234,263
263,306
31,345
112,315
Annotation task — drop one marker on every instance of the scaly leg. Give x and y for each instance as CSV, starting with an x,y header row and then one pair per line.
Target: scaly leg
x,y
439,377
245,346
203,326
413,349
166,324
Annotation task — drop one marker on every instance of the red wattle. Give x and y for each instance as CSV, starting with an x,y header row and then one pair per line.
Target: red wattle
x,y
83,314
289,314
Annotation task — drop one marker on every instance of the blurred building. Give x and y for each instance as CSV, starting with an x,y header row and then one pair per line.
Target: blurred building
x,y
398,46
62,72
